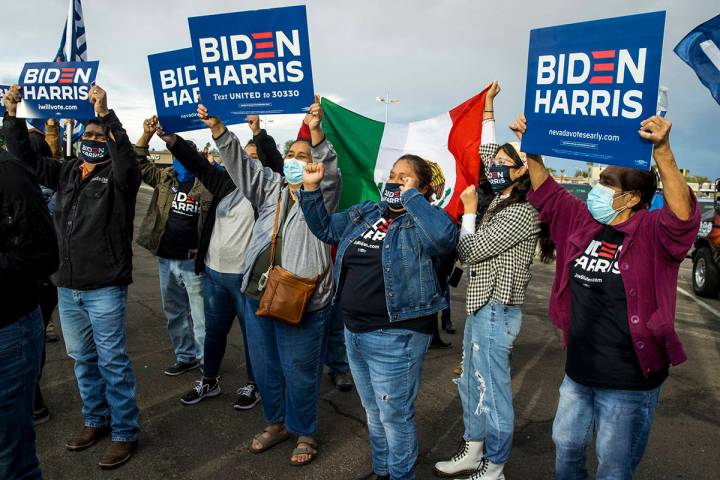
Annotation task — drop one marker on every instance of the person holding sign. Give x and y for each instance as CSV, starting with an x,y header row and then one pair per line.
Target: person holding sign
x,y
499,249
93,219
614,299
387,289
287,358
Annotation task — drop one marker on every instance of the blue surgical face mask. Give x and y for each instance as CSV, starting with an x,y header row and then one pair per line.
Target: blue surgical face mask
x,y
600,204
391,194
499,177
294,170
183,174
92,151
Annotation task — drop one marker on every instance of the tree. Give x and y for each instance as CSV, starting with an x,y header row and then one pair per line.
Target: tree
x,y
581,173
562,174
550,170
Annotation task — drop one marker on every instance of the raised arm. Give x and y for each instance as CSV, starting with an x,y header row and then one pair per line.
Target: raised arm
x,y
327,228
52,138
255,182
536,167
125,166
267,150
676,224
323,152
436,230
488,142
150,172
47,170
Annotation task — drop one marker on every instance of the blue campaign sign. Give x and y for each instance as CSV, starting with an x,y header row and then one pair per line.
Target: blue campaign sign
x,y
253,62
3,90
589,85
177,91
57,90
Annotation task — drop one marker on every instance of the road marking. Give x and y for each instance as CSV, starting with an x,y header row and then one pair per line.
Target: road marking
x,y
699,302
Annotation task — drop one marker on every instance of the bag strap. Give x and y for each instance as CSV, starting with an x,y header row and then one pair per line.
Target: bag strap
x,y
275,231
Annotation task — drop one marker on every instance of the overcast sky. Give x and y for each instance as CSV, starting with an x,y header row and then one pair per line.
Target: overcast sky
x,y
431,55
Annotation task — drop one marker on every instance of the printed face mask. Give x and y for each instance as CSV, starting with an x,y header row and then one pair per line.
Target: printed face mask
x,y
293,170
391,194
499,177
600,201
92,151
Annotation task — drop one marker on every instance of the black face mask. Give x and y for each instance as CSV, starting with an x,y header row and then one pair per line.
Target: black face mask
x,y
499,177
92,151
391,194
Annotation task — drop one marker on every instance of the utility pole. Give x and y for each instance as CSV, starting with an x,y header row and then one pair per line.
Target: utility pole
x,y
387,101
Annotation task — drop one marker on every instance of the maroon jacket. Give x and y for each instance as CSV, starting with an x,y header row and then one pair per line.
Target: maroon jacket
x,y
655,244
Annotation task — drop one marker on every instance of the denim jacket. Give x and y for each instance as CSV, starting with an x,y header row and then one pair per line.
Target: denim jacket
x,y
414,245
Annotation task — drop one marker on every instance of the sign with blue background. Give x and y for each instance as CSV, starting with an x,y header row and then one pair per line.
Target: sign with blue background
x,y
176,88
3,90
589,85
254,62
57,90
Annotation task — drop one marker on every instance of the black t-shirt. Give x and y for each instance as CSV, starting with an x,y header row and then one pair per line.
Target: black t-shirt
x,y
600,351
181,233
362,290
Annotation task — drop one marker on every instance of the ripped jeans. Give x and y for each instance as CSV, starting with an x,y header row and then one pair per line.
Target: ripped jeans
x,y
485,386
386,366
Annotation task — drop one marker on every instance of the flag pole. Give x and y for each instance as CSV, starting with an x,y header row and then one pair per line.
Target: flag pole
x,y
68,138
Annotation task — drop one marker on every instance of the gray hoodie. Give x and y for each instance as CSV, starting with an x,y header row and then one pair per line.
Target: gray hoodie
x,y
302,253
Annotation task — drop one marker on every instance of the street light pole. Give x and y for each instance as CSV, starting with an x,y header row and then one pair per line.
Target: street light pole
x,y
387,101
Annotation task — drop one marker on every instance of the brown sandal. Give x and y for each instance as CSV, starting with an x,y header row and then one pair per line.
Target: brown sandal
x,y
277,433
310,451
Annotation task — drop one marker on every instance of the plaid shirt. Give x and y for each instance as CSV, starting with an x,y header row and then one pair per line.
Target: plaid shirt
x,y
500,251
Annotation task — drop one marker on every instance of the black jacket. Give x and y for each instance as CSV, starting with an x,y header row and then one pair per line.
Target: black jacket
x,y
28,247
216,181
268,153
93,217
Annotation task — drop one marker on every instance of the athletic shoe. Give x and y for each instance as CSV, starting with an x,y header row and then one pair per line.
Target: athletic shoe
x,y
178,368
248,397
203,389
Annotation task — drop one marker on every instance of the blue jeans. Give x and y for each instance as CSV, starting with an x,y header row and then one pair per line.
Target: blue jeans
x,y
621,419
386,366
288,366
21,345
181,291
93,324
223,302
336,355
485,386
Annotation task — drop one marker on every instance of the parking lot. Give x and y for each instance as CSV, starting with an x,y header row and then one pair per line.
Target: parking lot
x,y
209,440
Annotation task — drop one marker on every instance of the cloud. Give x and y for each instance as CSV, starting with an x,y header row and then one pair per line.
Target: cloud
x,y
430,54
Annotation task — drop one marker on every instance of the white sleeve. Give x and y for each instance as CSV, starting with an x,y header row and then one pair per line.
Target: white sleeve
x,y
468,225
488,132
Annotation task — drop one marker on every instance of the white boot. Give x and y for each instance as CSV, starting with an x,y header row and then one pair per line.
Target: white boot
x,y
489,471
466,460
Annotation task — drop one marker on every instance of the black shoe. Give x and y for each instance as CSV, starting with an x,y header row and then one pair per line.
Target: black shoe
x,y
203,389
178,368
438,342
375,476
248,397
342,381
41,415
447,325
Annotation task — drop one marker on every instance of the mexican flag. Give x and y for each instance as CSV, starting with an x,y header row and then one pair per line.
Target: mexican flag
x,y
367,150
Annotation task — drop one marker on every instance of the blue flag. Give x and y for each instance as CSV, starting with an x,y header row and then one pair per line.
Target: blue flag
x,y
253,62
589,85
701,50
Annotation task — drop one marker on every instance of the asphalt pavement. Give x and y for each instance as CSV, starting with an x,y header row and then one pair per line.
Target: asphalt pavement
x,y
210,440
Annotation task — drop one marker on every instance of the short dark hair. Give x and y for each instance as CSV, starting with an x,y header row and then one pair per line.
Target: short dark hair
x,y
250,142
424,172
93,121
632,180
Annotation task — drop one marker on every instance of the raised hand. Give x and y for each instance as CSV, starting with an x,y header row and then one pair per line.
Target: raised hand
x,y
254,124
11,99
408,183
149,125
469,199
314,115
656,129
493,91
519,126
214,123
98,97
169,138
313,175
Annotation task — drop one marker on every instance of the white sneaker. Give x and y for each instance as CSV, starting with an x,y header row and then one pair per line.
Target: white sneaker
x,y
488,471
466,460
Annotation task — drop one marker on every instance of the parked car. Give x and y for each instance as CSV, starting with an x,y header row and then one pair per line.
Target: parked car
x,y
706,254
